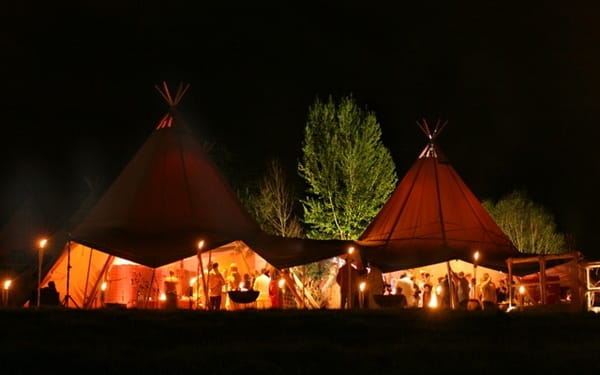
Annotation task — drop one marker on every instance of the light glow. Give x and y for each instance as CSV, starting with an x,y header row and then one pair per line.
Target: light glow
x,y
200,244
362,286
7,284
476,256
281,283
192,281
42,243
162,297
351,250
521,290
433,301
104,285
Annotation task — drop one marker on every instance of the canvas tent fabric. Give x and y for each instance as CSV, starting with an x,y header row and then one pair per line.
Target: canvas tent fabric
x,y
167,198
431,217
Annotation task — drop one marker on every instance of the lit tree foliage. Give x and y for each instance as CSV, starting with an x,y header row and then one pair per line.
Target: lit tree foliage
x,y
349,172
530,226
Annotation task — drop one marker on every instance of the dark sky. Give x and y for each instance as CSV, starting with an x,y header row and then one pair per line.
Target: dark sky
x,y
519,87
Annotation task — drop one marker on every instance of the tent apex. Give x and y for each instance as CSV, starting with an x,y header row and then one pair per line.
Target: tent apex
x,y
166,93
432,135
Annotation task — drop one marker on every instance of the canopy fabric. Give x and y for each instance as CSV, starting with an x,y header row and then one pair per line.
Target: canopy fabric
x,y
284,252
432,217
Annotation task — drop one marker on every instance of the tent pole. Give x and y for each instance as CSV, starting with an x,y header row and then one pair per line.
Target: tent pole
x,y
203,279
87,279
198,284
67,295
510,284
98,282
149,289
450,288
543,293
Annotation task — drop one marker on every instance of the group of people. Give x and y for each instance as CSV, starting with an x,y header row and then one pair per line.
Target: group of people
x,y
265,283
412,292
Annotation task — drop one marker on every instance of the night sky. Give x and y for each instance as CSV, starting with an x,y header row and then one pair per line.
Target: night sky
x,y
519,87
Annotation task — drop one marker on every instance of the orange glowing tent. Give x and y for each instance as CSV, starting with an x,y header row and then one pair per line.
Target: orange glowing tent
x,y
433,217
167,198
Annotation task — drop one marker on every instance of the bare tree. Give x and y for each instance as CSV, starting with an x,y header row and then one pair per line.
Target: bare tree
x,y
273,205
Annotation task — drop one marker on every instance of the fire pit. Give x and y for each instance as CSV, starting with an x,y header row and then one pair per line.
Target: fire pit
x,y
240,296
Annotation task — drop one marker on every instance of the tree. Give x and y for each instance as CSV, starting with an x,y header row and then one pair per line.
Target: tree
x,y
349,172
273,203
530,226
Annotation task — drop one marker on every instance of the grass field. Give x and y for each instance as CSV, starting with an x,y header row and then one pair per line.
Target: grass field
x,y
297,342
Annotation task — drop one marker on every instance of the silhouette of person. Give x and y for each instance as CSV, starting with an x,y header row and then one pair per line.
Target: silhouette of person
x,y
171,290
49,296
345,284
215,287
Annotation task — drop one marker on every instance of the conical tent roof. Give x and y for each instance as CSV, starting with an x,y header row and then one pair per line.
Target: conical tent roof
x,y
168,197
433,216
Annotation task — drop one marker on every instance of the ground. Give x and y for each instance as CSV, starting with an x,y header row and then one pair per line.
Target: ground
x,y
296,342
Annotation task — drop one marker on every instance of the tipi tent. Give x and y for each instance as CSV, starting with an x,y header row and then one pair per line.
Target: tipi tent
x,y
433,217
168,198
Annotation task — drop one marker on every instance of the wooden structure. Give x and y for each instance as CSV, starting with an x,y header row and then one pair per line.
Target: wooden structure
x,y
592,286
570,277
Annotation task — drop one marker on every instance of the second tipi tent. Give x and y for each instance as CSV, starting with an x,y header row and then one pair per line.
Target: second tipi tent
x,y
433,217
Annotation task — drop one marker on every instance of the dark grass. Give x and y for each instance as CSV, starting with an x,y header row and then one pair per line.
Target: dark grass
x,y
297,342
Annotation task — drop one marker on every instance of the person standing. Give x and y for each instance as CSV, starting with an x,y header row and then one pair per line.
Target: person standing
x,y
274,290
462,289
375,285
406,284
444,294
346,283
487,292
502,292
261,284
234,279
426,288
171,282
215,287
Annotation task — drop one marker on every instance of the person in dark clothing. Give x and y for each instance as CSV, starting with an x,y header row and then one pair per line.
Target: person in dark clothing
x,y
348,280
49,296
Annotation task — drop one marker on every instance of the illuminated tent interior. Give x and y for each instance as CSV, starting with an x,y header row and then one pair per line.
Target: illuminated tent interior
x,y
440,269
168,198
99,279
433,217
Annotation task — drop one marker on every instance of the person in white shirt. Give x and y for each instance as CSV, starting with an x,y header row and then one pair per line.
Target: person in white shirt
x,y
261,284
408,289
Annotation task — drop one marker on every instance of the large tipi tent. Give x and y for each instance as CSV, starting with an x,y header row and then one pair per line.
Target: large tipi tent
x,y
169,197
433,217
